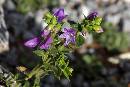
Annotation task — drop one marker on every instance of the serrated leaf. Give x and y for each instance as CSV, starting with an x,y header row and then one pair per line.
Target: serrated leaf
x,y
67,72
58,26
96,28
48,17
33,72
98,20
39,52
54,21
27,84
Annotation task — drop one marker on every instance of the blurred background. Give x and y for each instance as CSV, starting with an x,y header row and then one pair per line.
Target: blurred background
x,y
103,61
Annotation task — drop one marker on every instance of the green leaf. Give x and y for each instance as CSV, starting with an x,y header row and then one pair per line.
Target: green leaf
x,y
98,20
39,52
33,72
75,26
48,17
63,65
80,40
51,26
36,82
27,84
58,26
96,28
54,20
61,48
79,27
67,72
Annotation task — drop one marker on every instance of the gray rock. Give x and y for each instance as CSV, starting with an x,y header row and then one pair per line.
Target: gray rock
x,y
2,2
114,19
12,56
126,25
65,82
17,23
10,5
127,1
99,83
126,14
92,4
85,84
8,77
4,35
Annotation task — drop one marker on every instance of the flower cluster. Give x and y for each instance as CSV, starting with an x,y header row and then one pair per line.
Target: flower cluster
x,y
69,34
56,40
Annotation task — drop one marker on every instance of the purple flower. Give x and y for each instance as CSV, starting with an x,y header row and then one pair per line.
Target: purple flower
x,y
36,41
45,33
92,15
69,35
32,42
47,43
59,13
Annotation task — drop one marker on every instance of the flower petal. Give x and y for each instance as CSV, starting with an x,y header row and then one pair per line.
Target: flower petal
x,y
69,35
44,46
73,39
49,40
44,33
47,43
67,42
32,42
59,12
92,15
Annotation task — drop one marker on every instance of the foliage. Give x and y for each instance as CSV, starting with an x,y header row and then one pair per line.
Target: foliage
x,y
53,45
113,39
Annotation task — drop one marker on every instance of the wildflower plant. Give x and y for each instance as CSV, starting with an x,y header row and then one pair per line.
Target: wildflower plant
x,y
55,42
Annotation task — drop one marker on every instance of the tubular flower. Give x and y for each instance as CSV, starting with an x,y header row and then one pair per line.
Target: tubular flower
x,y
69,35
32,42
37,42
46,43
92,15
59,13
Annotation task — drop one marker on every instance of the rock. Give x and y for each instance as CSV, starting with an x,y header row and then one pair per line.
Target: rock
x,y
126,25
117,59
78,81
91,4
127,77
7,75
65,82
98,83
2,2
85,84
84,11
4,35
9,5
127,1
114,19
126,14
12,56
16,23
39,19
